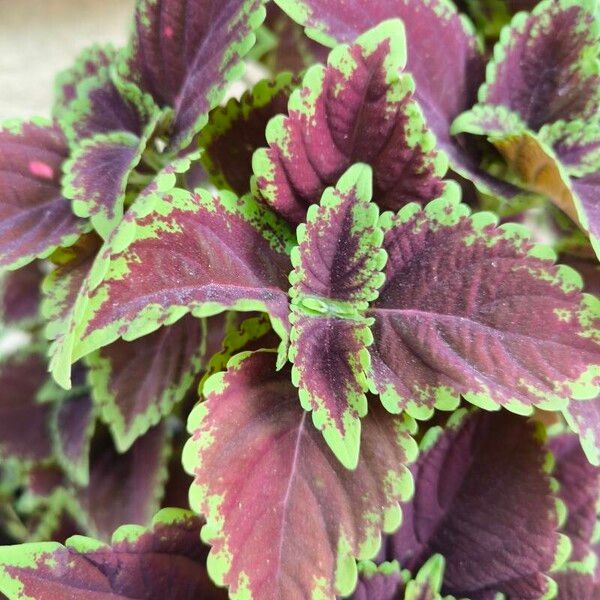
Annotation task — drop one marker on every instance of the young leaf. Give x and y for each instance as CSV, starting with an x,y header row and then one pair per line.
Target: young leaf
x,y
472,309
164,561
428,582
444,57
125,488
545,65
24,432
72,426
136,383
34,216
358,108
109,125
262,472
20,295
337,271
88,64
174,254
237,129
484,500
185,54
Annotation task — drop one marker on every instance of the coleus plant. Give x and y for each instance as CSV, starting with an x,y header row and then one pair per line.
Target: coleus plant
x,y
389,392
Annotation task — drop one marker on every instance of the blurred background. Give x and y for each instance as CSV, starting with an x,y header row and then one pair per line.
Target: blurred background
x,y
40,37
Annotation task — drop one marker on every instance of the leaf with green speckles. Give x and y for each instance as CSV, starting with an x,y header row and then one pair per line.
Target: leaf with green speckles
x,y
135,384
472,309
337,272
484,500
444,57
88,63
165,560
96,177
545,66
185,53
357,108
263,474
236,130
35,217
108,126
177,253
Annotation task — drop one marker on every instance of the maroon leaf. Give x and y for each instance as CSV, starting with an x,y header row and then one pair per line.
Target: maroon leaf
x,y
468,308
185,253
382,582
137,383
34,216
583,416
484,501
20,295
236,130
262,472
444,57
164,561
184,53
72,429
125,488
24,431
358,108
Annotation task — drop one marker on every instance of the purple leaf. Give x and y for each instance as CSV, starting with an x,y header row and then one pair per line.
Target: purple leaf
x,y
184,53
378,582
358,108
96,177
34,216
544,67
237,129
472,309
262,472
20,295
104,104
88,64
181,252
125,488
337,271
136,383
484,501
24,421
164,561
72,427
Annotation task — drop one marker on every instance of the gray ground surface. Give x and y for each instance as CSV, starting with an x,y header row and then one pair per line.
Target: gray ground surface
x,y
40,37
